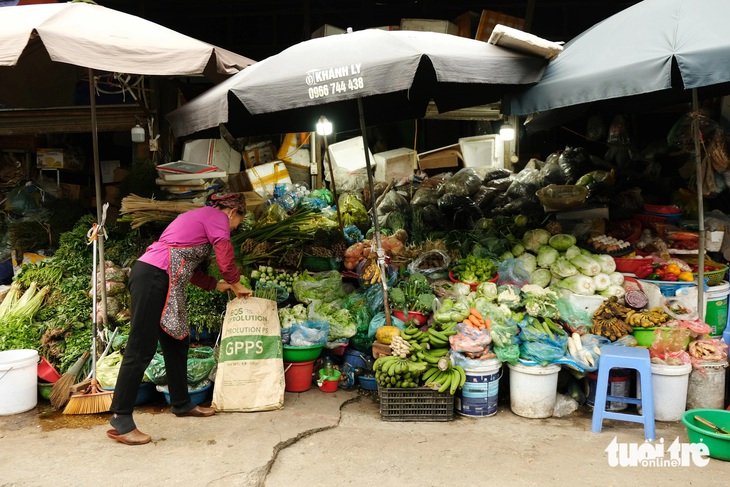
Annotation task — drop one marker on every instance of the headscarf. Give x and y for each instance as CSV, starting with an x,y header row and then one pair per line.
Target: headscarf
x,y
229,200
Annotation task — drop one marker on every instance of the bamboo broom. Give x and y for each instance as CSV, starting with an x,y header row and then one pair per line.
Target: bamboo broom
x,y
94,399
61,390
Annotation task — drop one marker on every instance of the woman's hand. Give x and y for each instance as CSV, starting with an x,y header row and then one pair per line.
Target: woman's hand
x,y
238,288
241,290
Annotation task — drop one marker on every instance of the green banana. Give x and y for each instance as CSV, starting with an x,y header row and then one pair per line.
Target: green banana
x,y
446,384
462,375
437,334
455,379
430,373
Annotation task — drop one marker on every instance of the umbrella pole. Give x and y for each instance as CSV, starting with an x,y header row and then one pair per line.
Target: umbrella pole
x,y
376,225
700,209
97,187
334,187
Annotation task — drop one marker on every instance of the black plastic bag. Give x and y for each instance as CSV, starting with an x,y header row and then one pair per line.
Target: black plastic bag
x,y
466,182
496,174
574,162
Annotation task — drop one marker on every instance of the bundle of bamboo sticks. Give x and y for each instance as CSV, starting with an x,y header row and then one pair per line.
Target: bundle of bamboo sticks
x,y
139,210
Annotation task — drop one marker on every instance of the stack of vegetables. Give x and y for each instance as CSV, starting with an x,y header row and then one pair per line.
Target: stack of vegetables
x,y
555,260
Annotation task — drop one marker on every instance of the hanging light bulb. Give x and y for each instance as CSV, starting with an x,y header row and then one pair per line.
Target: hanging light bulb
x,y
138,133
507,131
324,126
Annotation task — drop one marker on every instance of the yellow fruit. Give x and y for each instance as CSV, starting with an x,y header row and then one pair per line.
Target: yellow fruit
x,y
386,333
686,276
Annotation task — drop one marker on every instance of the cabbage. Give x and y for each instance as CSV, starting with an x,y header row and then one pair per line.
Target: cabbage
x,y
608,265
617,279
572,252
506,255
546,255
562,268
586,265
487,290
518,249
562,241
529,262
461,288
578,284
602,281
613,290
532,239
541,277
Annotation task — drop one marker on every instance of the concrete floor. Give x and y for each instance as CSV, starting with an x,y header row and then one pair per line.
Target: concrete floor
x,y
331,439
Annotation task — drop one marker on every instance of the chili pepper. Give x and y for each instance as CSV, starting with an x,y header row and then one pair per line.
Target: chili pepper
x,y
668,276
643,271
654,277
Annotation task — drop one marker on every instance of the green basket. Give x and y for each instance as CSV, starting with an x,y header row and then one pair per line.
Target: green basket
x,y
320,264
714,277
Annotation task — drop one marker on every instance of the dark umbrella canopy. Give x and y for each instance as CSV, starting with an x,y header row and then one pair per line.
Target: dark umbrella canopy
x,y
653,51
394,73
371,76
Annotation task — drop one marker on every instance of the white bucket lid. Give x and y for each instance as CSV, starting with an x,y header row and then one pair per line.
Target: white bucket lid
x,y
15,358
663,369
535,369
488,365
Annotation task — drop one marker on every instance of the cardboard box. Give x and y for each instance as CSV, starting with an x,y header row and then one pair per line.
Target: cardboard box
x,y
265,177
258,153
213,152
58,159
443,157
299,174
111,195
468,22
491,18
253,200
327,30
119,174
430,25
395,164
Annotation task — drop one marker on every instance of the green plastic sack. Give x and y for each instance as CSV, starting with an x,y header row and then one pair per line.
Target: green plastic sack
x,y
107,370
201,361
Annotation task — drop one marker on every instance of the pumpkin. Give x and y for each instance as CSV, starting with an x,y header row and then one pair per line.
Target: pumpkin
x,y
386,333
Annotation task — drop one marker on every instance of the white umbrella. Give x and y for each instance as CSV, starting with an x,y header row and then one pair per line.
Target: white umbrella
x,y
43,46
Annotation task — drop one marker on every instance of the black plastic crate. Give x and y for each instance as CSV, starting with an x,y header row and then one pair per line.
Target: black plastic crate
x,y
415,404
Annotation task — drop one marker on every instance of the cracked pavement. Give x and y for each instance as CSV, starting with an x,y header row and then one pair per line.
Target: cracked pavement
x,y
336,439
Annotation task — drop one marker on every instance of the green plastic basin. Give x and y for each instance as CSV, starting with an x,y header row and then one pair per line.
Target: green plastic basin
x,y
718,444
301,354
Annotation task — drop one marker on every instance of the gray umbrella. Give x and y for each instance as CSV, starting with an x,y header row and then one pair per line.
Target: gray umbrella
x,y
371,75
654,52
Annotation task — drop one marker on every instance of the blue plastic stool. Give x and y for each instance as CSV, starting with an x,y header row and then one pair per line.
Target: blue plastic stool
x,y
613,356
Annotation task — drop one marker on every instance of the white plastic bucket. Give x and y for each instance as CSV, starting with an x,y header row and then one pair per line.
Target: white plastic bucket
x,y
18,381
478,397
533,390
670,384
716,309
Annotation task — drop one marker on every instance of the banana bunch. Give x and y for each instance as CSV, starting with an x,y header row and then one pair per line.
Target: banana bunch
x,y
415,338
646,319
609,320
393,371
440,339
445,377
371,272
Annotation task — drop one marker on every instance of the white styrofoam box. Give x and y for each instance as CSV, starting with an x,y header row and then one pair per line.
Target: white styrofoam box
x,y
483,151
214,152
265,177
327,30
349,154
395,164
430,25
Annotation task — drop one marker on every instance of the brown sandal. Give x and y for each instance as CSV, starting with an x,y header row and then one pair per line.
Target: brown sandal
x,y
134,437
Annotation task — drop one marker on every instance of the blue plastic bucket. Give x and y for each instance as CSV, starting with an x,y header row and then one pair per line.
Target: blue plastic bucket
x,y
478,397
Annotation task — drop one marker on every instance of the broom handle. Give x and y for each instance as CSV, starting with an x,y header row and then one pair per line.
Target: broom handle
x,y
93,308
